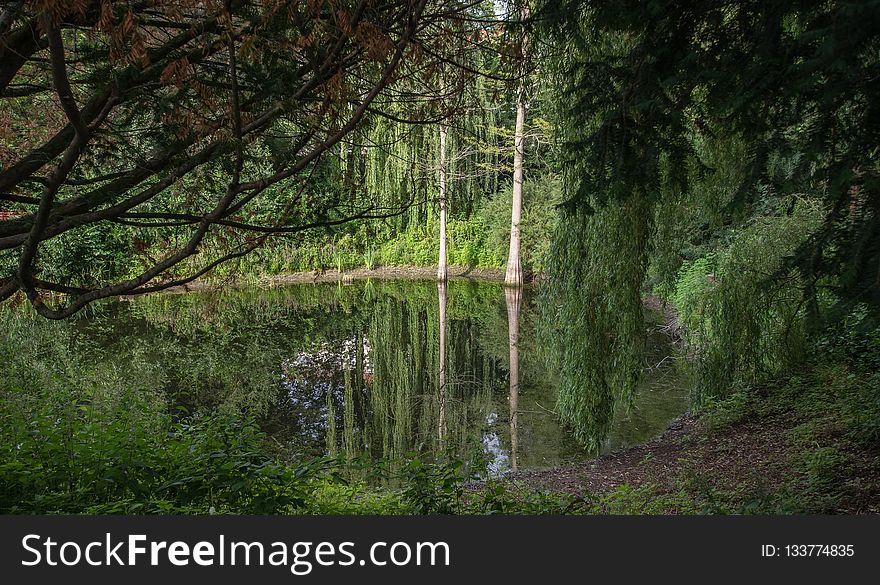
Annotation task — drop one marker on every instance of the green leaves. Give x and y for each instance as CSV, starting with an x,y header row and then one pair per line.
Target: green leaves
x,y
593,313
215,462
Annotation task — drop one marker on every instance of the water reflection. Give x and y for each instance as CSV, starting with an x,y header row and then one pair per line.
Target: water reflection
x,y
371,371
441,391
513,298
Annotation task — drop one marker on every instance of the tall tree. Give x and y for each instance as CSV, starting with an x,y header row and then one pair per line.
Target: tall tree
x,y
643,89
441,262
513,276
642,85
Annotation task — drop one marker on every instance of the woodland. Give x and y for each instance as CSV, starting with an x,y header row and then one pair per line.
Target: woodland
x,y
504,256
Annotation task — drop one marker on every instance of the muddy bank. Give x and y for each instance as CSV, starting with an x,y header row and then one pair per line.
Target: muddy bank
x,y
388,273
318,276
633,466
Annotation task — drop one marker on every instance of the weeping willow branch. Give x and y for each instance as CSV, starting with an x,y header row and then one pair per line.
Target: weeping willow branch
x,y
593,312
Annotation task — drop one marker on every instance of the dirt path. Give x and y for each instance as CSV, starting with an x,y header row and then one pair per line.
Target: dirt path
x,y
749,455
745,462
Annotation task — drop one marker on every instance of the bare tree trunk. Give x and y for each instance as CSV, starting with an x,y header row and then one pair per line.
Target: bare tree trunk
x,y
513,276
441,398
513,296
441,265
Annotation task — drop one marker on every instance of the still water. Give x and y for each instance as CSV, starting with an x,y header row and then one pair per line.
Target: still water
x,y
374,371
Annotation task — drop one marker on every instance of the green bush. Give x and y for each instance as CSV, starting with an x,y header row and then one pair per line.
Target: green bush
x,y
91,255
743,324
478,241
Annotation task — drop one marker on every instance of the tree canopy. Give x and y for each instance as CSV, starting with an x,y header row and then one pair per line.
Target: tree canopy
x,y
199,115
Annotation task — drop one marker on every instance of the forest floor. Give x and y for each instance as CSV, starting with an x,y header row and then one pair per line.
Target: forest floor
x,y
748,454
786,449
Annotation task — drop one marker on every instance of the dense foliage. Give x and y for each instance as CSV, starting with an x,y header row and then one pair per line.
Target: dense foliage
x,y
719,156
744,138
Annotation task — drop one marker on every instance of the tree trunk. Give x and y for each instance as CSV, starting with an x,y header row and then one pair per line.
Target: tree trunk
x,y
441,265
513,276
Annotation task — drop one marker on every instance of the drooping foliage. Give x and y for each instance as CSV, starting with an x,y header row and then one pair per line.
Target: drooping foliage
x,y
594,313
751,129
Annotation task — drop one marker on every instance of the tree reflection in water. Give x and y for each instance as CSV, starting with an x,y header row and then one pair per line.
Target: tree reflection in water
x,y
370,371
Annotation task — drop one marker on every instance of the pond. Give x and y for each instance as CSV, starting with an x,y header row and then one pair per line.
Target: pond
x,y
375,370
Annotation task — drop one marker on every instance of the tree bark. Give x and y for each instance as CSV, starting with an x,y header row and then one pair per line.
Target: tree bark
x,y
441,264
513,276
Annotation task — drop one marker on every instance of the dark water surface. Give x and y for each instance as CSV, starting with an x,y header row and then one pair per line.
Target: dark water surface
x,y
355,370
